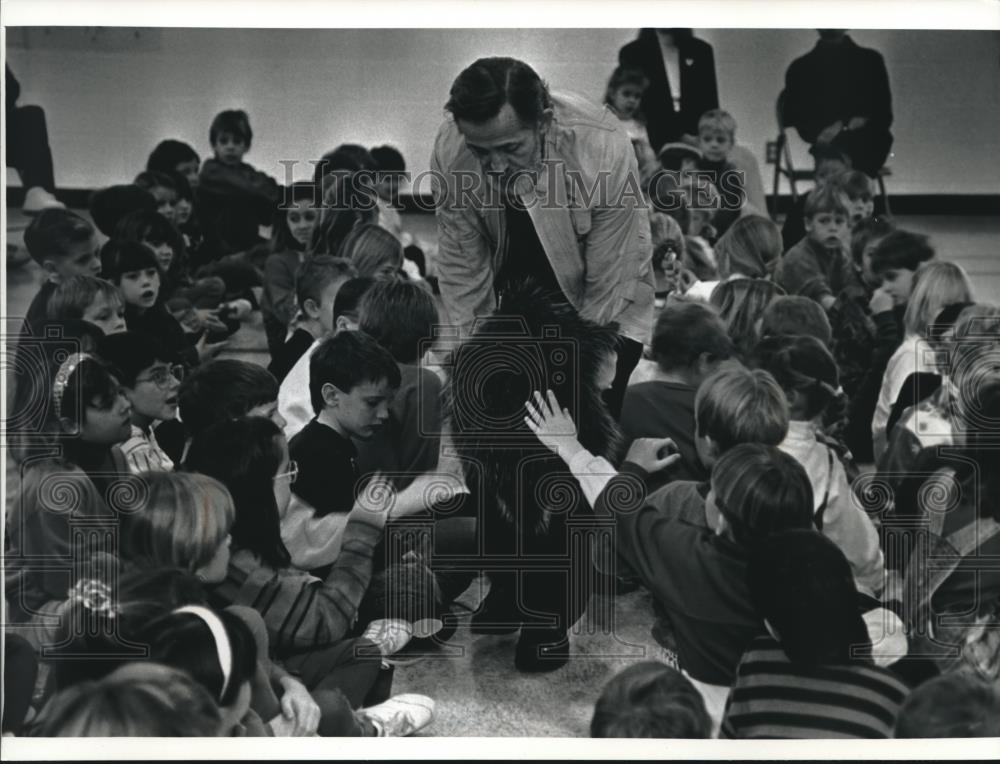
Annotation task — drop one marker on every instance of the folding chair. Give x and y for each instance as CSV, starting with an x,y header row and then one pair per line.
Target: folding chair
x,y
784,167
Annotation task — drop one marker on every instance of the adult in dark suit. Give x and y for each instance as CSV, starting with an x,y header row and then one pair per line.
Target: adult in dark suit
x,y
838,95
672,108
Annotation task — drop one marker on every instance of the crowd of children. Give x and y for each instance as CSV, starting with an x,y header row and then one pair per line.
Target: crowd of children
x,y
229,545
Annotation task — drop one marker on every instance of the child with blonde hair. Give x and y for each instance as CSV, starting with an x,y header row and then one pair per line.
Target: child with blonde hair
x,y
717,139
139,699
936,284
190,520
91,299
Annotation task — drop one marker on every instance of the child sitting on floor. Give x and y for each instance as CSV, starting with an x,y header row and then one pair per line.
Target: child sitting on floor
x,y
186,523
935,285
389,174
90,299
858,188
793,314
173,156
808,376
150,381
136,700
813,676
63,244
953,705
225,389
319,283
234,197
716,138
351,381
109,205
623,96
292,231
650,699
818,266
401,316
689,342
133,268
694,568
163,188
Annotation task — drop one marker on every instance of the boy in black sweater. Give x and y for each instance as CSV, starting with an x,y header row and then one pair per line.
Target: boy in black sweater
x,y
352,381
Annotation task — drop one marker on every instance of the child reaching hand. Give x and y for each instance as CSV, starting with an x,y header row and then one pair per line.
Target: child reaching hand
x,y
696,572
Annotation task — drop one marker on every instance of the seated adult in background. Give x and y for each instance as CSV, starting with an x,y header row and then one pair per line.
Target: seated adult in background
x,y
682,86
28,150
838,94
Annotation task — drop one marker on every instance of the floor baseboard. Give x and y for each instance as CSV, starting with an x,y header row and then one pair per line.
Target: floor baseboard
x,y
902,204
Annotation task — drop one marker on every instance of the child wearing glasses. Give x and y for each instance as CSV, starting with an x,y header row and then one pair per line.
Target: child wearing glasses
x,y
150,380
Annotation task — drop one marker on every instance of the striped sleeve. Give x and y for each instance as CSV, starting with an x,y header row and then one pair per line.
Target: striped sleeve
x,y
773,698
300,611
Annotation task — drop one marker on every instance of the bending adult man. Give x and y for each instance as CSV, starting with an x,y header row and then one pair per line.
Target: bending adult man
x,y
530,184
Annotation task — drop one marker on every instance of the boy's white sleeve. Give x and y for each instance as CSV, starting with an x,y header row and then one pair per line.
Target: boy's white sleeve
x,y
294,403
846,524
311,541
593,473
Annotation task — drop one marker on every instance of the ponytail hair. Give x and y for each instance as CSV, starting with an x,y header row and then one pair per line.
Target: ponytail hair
x,y
804,364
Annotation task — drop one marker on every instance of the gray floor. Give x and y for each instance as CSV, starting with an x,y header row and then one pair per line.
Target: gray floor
x,y
477,690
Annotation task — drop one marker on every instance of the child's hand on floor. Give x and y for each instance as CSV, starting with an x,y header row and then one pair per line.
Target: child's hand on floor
x,y
552,425
298,707
653,454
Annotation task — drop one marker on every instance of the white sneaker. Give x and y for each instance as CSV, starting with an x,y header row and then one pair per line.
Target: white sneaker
x,y
401,715
37,199
390,634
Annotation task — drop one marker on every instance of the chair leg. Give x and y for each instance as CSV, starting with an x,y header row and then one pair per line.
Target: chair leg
x,y
885,196
776,187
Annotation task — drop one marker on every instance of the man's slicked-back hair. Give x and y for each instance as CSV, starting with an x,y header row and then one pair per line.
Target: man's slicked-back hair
x,y
480,91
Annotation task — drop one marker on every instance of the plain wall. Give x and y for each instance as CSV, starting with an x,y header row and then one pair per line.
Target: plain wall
x,y
110,99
